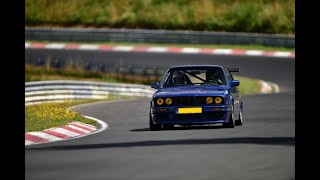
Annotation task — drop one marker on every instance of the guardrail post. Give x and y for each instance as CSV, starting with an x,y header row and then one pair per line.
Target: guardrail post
x,y
57,63
40,61
88,66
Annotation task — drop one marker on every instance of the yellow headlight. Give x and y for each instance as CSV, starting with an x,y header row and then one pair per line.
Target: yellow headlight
x,y
209,100
168,101
160,101
218,100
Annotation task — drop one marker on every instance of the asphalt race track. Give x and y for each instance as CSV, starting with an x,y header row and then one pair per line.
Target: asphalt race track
x,y
263,148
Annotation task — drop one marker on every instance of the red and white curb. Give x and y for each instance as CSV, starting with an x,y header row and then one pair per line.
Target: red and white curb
x,y
268,87
72,130
105,47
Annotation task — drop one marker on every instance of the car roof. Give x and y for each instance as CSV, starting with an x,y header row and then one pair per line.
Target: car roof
x,y
195,66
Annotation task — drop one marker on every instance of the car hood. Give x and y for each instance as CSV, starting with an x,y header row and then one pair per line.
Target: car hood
x,y
191,91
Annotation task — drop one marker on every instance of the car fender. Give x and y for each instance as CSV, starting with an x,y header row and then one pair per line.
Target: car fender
x,y
230,100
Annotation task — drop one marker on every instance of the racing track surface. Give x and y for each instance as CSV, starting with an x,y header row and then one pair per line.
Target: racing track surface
x,y
263,148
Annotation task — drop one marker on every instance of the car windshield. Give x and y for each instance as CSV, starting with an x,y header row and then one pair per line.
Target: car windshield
x,y
202,76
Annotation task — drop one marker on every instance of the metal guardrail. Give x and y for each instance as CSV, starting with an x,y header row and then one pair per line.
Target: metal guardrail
x,y
87,63
157,36
59,90
154,72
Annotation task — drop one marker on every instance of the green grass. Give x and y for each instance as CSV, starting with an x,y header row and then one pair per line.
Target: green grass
x,y
248,86
212,46
258,16
44,116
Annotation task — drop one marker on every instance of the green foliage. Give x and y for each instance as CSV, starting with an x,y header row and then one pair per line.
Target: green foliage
x,y
264,16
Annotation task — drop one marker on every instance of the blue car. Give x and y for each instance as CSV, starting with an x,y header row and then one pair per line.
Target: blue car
x,y
196,95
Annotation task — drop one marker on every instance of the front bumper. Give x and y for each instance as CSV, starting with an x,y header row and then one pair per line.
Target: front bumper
x,y
209,115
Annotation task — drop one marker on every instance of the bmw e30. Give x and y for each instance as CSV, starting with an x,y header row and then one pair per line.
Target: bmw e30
x,y
196,95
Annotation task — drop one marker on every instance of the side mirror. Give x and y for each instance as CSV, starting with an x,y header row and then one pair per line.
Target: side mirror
x,y
155,85
235,83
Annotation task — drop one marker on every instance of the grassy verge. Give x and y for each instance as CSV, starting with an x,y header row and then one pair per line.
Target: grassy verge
x,y
248,85
259,16
211,46
44,116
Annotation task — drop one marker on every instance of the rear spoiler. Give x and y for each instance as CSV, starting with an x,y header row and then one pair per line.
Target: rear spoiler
x,y
237,69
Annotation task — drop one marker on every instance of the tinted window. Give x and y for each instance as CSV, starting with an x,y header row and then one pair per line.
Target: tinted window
x,y
194,76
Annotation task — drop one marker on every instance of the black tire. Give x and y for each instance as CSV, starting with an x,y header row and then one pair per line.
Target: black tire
x,y
240,120
231,122
153,127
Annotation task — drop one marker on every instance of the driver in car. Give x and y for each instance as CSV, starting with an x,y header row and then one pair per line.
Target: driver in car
x,y
213,76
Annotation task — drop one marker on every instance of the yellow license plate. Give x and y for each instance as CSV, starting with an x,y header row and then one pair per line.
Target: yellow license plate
x,y
189,110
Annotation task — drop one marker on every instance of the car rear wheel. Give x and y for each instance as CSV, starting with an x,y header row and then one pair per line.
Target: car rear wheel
x,y
239,121
153,127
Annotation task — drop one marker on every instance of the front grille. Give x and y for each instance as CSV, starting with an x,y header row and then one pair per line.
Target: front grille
x,y
188,101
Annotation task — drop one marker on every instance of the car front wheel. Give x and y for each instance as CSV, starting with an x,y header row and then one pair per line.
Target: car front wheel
x,y
231,122
153,127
